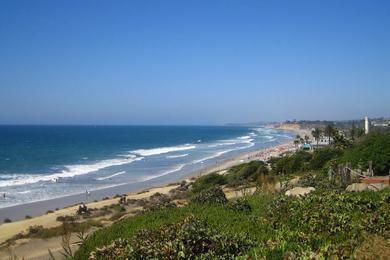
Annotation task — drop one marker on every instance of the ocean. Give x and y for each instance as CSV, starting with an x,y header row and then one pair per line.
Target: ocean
x,y
44,162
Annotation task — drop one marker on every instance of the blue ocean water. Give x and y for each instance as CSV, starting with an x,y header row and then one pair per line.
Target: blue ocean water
x,y
43,162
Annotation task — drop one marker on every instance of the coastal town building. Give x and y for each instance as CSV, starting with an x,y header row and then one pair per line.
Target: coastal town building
x,y
366,125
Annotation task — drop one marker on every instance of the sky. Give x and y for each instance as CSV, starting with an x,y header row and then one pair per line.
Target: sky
x,y
192,62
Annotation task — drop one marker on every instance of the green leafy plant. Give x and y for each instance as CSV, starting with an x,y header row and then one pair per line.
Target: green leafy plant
x,y
240,205
208,181
211,196
189,239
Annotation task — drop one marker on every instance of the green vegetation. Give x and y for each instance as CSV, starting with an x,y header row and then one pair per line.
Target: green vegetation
x,y
208,181
316,133
189,239
243,174
246,173
211,196
291,163
221,218
322,156
328,223
324,223
67,227
374,147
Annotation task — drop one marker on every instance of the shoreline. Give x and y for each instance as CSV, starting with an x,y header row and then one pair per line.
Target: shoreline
x,y
68,205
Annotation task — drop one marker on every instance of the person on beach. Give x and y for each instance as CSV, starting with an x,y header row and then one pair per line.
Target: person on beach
x,y
83,209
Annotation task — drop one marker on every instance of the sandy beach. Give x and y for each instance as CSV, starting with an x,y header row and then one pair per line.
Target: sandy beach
x,y
49,220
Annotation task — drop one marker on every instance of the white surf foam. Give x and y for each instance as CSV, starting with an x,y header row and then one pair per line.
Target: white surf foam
x,y
212,156
178,168
24,192
222,144
244,137
177,156
110,176
70,171
162,150
238,140
248,141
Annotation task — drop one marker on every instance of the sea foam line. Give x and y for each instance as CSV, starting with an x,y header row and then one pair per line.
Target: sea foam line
x,y
70,171
163,150
177,156
212,156
178,168
238,140
110,176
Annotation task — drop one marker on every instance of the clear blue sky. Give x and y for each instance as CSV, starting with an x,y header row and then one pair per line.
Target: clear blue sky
x,y
192,62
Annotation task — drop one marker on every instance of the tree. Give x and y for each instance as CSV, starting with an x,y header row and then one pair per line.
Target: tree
x,y
340,141
296,142
306,139
316,133
329,131
353,132
373,147
359,132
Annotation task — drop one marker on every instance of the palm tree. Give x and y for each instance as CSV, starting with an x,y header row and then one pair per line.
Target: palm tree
x,y
306,138
296,142
316,133
340,142
298,139
329,131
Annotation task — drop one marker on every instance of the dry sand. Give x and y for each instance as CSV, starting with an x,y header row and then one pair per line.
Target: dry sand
x,y
38,248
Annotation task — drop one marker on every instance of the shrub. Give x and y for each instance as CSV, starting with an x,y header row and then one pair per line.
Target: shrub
x,y
291,163
246,172
240,205
35,230
118,208
66,218
208,181
7,220
329,222
322,156
211,196
189,239
27,217
374,147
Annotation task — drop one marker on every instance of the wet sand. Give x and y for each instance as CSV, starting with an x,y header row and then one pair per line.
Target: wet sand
x,y
37,210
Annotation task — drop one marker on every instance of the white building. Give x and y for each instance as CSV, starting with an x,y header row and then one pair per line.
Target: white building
x,y
366,125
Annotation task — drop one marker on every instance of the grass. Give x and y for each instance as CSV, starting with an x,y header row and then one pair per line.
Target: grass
x,y
45,233
40,232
